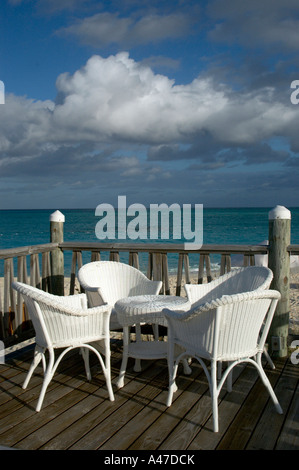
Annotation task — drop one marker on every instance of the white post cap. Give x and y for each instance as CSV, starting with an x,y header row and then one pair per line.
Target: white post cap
x,y
57,216
279,212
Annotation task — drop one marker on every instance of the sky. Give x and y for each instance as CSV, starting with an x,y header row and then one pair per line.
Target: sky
x,y
169,101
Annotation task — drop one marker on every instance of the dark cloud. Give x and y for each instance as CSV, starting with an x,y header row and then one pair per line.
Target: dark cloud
x,y
256,24
102,29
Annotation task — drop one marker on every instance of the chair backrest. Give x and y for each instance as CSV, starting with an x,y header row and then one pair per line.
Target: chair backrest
x,y
56,319
240,321
115,281
236,281
30,295
228,328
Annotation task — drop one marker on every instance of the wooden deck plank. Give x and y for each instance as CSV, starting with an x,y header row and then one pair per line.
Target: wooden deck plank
x,y
58,400
92,418
70,411
197,419
143,392
70,375
289,437
78,414
62,383
151,427
245,421
229,406
268,429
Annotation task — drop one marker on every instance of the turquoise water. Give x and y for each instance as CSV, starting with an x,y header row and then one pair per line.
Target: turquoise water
x,y
220,226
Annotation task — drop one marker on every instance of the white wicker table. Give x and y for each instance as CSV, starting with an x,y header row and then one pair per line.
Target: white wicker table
x,y
145,309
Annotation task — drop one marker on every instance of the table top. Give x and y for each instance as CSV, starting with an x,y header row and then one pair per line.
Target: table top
x,y
148,308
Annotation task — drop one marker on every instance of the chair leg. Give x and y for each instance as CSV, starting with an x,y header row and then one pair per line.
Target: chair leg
x,y
172,386
187,368
267,384
38,356
156,331
107,371
85,355
137,366
121,377
105,364
219,368
214,395
229,380
172,371
265,352
47,379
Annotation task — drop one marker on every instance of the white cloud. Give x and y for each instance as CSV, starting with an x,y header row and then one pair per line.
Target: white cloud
x,y
116,101
118,98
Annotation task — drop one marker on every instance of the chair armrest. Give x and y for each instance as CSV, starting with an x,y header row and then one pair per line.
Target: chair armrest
x,y
60,307
222,301
75,311
104,309
69,304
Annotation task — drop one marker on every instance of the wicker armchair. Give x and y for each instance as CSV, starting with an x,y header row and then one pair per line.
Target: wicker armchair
x,y
65,322
110,281
236,281
223,329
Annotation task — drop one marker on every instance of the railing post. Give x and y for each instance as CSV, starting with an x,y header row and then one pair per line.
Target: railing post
x,y
57,259
279,263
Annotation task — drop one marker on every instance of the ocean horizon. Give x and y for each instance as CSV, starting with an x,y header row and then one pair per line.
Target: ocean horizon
x,y
238,226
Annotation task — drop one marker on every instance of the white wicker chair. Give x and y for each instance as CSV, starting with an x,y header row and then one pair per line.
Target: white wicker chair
x,y
110,281
224,329
236,281
65,322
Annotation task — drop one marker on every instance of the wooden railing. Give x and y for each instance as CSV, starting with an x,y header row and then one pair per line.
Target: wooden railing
x,y
43,266
32,265
157,267
28,264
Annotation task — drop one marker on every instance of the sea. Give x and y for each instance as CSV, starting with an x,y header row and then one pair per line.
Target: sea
x,y
219,226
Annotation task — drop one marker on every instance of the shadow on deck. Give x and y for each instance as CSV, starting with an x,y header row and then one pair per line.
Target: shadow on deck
x,y
78,414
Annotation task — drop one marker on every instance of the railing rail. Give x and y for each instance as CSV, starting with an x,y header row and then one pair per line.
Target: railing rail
x,y
157,268
32,265
28,264
27,250
44,266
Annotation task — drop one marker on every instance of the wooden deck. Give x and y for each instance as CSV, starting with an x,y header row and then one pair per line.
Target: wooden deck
x,y
78,414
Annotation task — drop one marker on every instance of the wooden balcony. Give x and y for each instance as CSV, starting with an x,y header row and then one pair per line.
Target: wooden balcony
x,y
77,414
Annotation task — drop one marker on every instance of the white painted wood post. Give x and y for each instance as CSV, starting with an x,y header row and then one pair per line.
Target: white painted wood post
x,y
279,263
57,220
